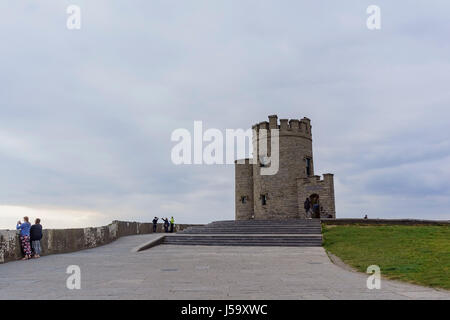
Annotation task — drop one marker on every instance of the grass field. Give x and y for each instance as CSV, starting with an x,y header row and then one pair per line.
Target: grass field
x,y
417,254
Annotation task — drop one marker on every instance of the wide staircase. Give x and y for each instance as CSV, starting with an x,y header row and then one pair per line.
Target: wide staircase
x,y
292,233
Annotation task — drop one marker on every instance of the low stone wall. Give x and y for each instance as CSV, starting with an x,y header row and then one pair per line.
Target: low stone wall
x,y
404,222
70,240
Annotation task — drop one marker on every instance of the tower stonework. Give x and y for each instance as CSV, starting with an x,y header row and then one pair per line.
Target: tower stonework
x,y
282,195
244,191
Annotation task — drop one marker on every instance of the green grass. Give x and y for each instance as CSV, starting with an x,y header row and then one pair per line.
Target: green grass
x,y
416,254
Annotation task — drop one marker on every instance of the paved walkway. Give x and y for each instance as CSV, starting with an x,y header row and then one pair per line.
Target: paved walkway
x,y
191,272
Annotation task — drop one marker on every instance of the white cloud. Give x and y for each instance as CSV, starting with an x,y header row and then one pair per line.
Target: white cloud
x,y
51,217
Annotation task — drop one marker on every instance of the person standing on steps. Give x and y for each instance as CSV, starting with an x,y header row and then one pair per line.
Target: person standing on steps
x,y
316,210
172,224
307,206
35,238
25,237
155,224
166,224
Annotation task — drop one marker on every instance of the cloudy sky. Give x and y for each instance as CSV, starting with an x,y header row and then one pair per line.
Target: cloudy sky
x,y
86,115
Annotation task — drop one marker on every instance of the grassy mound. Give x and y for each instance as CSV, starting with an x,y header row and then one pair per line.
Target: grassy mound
x,y
417,254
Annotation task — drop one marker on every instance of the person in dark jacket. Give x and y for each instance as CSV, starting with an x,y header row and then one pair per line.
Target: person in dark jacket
x,y
307,206
166,224
316,210
155,224
35,238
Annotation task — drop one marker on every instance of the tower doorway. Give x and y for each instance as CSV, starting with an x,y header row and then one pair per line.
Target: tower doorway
x,y
315,205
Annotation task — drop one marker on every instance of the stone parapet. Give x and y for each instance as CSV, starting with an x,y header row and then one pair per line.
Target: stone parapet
x,y
70,240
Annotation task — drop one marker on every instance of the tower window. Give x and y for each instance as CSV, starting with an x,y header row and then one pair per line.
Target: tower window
x,y
263,199
244,199
308,166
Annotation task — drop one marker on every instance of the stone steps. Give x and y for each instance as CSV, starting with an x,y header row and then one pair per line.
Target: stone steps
x,y
245,240
254,231
258,227
298,233
265,222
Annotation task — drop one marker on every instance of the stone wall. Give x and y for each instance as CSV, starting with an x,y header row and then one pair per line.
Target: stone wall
x,y
244,188
70,240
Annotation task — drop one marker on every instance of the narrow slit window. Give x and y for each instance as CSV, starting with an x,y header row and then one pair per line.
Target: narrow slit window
x,y
308,167
263,199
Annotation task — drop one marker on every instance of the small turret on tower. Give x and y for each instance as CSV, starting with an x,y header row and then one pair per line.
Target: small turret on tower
x,y
286,126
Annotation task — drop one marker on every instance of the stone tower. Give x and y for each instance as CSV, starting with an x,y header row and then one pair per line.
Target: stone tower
x,y
282,195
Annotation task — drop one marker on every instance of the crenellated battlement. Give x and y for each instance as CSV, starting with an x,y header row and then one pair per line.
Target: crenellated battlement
x,y
313,180
291,127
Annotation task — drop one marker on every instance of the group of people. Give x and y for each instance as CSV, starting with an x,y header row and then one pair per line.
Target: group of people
x,y
30,238
168,224
31,235
312,209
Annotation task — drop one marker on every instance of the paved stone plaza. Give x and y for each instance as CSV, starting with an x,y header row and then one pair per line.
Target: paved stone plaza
x,y
114,271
